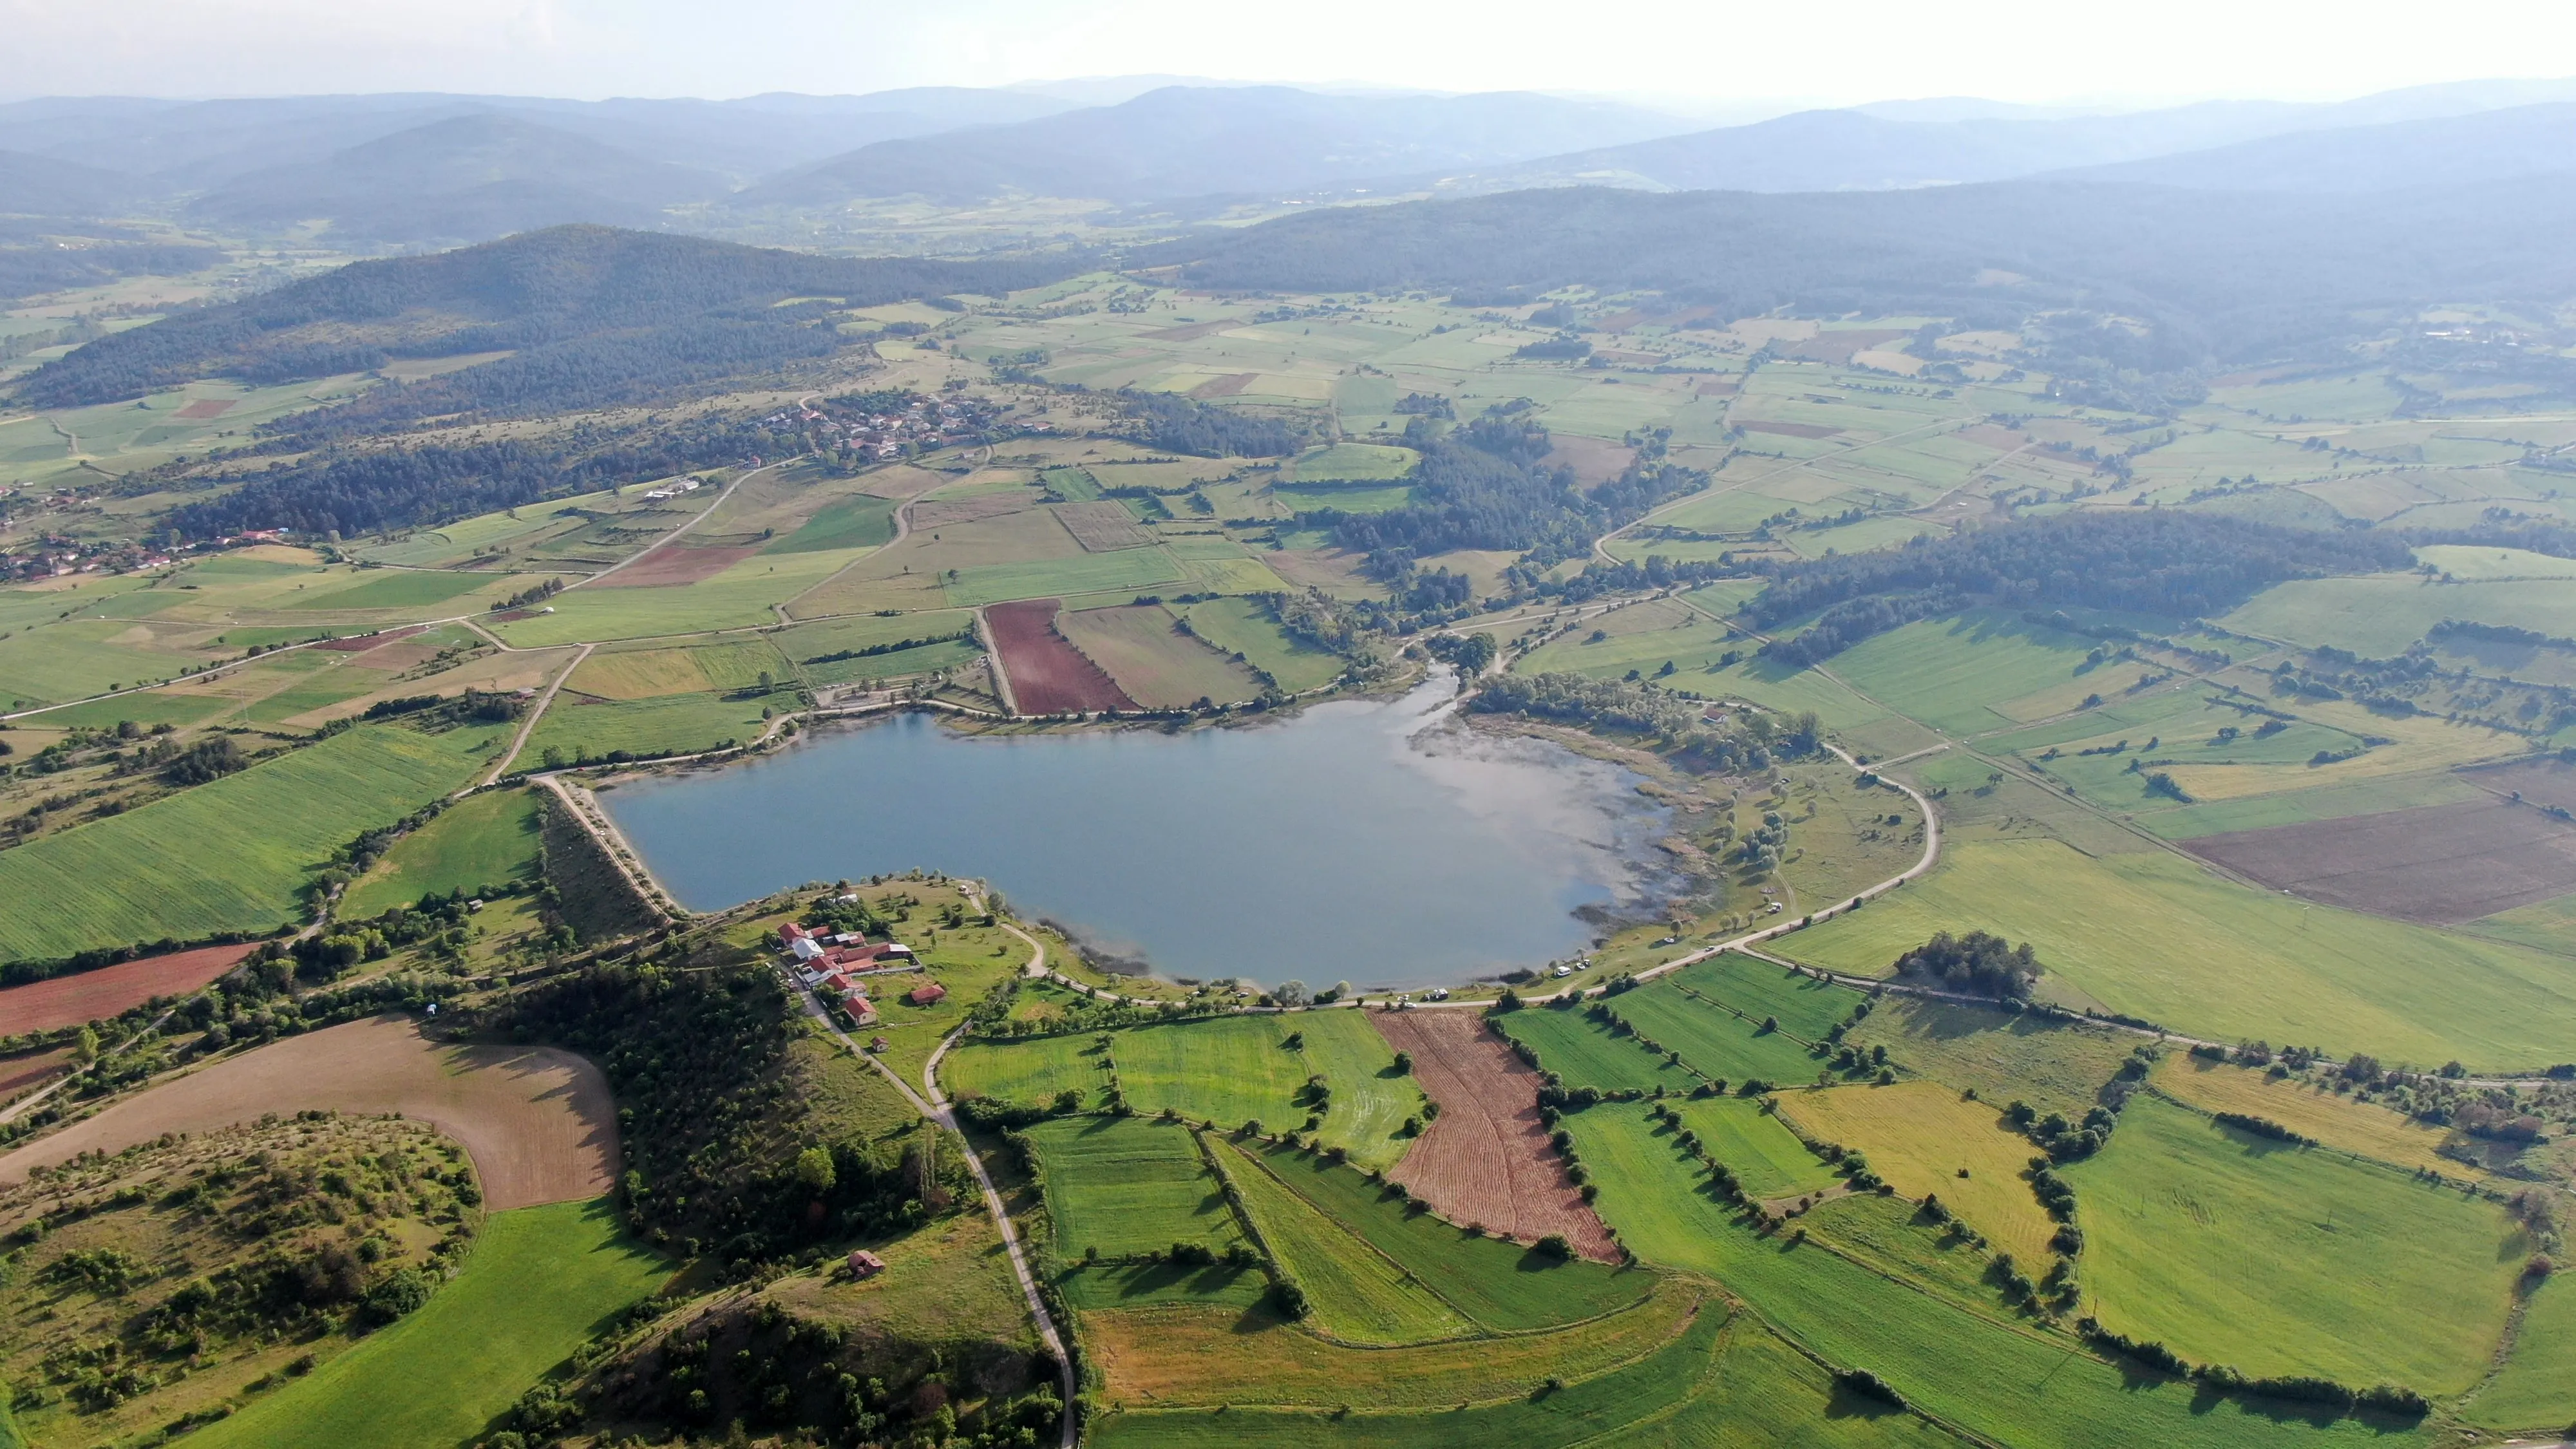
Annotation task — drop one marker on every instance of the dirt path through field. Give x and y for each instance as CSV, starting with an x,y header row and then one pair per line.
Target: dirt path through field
x,y
1486,1159
538,1122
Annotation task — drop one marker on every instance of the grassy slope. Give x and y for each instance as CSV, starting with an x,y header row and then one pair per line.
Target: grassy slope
x,y
229,855
1767,1157
2157,937
485,840
539,1282
1586,1055
1239,626
2054,1067
1355,1294
2237,1249
2010,1384
677,722
1920,1136
2537,1389
2340,1122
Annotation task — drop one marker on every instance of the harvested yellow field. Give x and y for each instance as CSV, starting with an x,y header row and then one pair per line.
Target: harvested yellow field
x,y
2363,1128
1920,1136
2418,744
650,673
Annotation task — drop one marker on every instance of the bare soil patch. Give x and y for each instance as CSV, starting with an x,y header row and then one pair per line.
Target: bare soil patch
x,y
17,1074
1485,1158
1048,675
1594,460
1718,389
361,643
1791,430
2437,865
1188,330
1226,386
205,407
1839,346
89,995
2541,782
538,1122
1101,527
677,564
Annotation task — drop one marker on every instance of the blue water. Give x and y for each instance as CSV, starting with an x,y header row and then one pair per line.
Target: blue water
x,y
1378,843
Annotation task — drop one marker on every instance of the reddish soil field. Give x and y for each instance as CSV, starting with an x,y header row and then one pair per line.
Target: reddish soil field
x,y
1791,430
538,1122
89,995
2542,782
361,643
17,1074
1048,675
1226,386
2439,865
1485,1159
205,407
677,564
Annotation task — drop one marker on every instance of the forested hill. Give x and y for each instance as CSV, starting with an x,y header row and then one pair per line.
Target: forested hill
x,y
535,290
2227,275
2173,564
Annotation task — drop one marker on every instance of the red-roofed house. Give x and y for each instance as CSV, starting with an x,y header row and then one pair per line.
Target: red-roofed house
x,y
862,1011
926,993
864,1264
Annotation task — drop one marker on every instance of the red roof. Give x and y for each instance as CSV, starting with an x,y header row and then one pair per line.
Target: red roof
x,y
791,931
926,993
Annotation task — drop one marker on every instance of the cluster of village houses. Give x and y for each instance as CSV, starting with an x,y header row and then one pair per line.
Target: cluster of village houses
x,y
840,964
883,435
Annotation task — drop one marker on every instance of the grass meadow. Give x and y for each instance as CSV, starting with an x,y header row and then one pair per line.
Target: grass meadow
x,y
2362,1128
1240,626
1129,1185
2537,1387
1226,1070
2054,1066
669,724
1585,1054
1767,1157
482,841
539,1282
1992,1377
2158,937
1923,1137
2232,1248
226,856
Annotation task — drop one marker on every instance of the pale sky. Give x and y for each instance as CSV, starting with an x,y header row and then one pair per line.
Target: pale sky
x,y
1715,54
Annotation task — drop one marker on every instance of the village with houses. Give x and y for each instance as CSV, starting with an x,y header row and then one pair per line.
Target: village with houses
x,y
843,965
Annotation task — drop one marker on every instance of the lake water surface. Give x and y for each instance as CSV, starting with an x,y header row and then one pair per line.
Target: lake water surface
x,y
1377,842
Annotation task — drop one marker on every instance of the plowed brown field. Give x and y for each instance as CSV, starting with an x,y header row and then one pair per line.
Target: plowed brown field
x,y
538,1122
1048,675
677,564
90,995
1485,1159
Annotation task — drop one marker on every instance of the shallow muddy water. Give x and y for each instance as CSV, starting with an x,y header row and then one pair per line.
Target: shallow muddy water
x,y
1378,843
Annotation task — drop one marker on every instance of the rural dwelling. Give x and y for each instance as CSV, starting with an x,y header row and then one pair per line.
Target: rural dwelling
x,y
863,1012
864,1264
790,933
926,994
805,949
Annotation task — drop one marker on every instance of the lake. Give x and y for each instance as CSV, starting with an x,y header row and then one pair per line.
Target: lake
x,y
1375,842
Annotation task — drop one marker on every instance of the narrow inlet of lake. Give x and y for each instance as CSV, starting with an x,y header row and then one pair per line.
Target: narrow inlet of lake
x,y
1375,842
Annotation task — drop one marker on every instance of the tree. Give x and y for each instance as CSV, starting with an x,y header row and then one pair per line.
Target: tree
x,y
1404,1064
814,1171
1290,993
1980,963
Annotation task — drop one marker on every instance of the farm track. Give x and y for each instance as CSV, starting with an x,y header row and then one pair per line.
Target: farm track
x,y
935,1106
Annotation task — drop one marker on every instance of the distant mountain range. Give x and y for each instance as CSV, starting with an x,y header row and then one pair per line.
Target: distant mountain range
x,y
437,170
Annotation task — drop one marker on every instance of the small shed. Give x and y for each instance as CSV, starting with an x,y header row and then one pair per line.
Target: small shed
x,y
864,1264
926,993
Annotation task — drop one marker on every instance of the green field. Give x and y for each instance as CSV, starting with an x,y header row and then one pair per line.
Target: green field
x,y
1353,463
539,1282
1767,1157
859,522
485,840
230,855
1500,1286
1241,626
1353,1293
1125,1186
1227,1069
2155,936
1583,1052
672,724
1990,1376
2378,615
2537,1388
1120,572
1962,674
403,589
2232,1248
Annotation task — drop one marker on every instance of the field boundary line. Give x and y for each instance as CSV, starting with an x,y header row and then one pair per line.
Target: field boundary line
x,y
528,726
